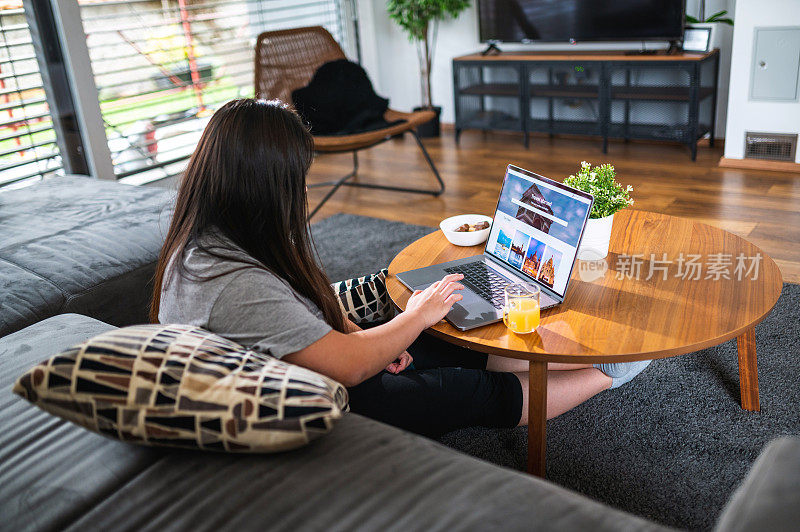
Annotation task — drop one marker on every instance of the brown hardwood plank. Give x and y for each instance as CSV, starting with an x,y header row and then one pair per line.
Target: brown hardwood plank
x,y
790,269
790,188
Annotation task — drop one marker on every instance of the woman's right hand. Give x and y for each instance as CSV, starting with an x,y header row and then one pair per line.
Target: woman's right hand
x,y
433,303
356,356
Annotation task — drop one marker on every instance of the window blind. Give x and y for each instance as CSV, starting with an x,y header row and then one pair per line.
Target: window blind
x,y
28,149
163,67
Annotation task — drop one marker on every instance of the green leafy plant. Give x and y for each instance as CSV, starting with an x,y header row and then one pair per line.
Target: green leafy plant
x,y
420,19
599,181
716,17
719,16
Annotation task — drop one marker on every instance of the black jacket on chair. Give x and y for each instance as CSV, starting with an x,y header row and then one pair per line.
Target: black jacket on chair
x,y
340,100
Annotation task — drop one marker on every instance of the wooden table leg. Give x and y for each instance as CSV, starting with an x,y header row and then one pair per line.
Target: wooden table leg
x,y
537,418
748,370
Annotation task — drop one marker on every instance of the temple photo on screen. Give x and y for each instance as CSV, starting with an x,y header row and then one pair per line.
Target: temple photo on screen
x,y
534,198
518,246
533,258
552,260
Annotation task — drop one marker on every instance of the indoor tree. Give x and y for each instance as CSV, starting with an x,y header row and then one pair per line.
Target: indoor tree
x,y
420,19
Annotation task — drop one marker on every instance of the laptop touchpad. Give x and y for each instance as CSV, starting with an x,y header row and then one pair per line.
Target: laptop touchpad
x,y
478,315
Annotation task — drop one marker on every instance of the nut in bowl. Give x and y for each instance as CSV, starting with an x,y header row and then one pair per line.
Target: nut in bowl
x,y
466,229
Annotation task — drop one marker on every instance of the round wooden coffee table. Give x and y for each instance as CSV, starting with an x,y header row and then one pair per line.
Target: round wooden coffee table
x,y
668,286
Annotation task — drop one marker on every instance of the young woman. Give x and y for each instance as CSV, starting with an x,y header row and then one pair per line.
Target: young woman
x,y
238,260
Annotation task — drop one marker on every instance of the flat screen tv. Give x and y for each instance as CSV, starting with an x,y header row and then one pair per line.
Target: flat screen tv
x,y
580,20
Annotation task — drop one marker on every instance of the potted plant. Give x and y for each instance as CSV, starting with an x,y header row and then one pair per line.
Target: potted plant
x,y
609,197
716,17
420,19
715,23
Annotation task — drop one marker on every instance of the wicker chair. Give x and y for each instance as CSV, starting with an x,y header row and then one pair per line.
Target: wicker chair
x,y
287,59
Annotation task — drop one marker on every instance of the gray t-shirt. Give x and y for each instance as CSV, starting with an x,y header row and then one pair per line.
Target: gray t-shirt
x,y
249,305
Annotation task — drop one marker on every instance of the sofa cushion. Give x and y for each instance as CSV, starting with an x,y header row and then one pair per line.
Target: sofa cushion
x,y
182,386
25,297
363,476
78,243
769,497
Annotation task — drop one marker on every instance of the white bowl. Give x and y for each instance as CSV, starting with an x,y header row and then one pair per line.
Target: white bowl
x,y
473,238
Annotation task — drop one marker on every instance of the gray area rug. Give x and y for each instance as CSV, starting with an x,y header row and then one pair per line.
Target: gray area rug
x,y
352,246
671,446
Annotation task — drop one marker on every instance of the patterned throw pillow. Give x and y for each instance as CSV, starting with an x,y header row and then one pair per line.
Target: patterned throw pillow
x,y
365,299
181,386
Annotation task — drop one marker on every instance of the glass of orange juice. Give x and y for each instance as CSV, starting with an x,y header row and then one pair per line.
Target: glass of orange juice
x,y
521,310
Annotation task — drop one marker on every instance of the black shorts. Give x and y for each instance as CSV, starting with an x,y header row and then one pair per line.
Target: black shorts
x,y
448,389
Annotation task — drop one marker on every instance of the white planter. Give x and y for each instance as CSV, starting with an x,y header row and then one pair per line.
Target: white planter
x,y
596,237
721,34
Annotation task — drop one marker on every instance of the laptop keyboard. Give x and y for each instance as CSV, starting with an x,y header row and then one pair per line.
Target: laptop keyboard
x,y
483,280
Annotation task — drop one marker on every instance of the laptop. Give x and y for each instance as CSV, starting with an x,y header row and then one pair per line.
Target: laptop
x,y
534,237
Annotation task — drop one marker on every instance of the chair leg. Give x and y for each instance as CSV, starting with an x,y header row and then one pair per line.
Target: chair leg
x,y
435,192
334,184
430,162
345,180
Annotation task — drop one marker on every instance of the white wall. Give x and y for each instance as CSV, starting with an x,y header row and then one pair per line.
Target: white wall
x,y
744,115
392,61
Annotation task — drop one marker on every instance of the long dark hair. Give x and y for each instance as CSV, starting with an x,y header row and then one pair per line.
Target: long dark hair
x,y
247,181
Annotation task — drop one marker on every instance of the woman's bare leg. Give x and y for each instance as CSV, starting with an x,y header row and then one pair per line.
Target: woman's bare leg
x,y
511,365
565,389
560,366
514,365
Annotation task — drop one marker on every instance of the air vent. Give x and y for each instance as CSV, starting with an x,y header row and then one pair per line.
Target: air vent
x,y
772,146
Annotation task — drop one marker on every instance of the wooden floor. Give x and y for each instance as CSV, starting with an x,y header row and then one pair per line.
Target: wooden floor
x,y
761,206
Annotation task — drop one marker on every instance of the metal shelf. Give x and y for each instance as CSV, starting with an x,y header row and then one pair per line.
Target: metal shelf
x,y
679,94
492,89
564,91
674,132
493,120
666,90
571,127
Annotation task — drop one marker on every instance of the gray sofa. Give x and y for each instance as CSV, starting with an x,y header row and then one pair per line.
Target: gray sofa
x,y
363,476
89,246
77,244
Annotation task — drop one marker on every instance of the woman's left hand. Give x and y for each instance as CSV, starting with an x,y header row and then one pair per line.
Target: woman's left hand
x,y
400,364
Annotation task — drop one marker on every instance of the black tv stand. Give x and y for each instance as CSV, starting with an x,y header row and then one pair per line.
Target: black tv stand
x,y
492,49
671,97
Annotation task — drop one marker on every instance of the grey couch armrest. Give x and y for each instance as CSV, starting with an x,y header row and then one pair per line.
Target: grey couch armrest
x,y
769,497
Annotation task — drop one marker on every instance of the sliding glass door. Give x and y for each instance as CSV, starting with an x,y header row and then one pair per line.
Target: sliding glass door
x,y
163,67
159,69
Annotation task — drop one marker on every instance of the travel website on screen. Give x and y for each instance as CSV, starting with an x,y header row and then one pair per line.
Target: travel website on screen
x,y
537,227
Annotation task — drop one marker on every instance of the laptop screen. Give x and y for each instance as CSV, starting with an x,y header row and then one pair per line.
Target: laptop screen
x,y
537,227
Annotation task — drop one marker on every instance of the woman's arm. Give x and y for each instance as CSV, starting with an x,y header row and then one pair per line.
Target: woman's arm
x,y
398,365
356,356
350,326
